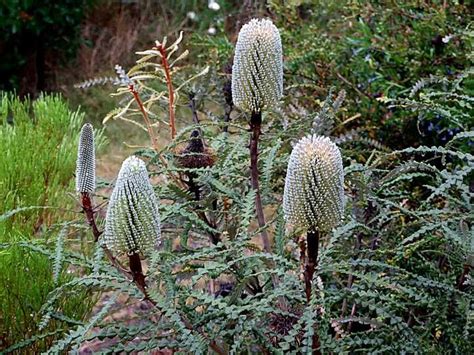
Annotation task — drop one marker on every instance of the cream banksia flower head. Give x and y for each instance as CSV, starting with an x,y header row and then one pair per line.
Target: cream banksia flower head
x,y
132,223
257,73
85,164
313,198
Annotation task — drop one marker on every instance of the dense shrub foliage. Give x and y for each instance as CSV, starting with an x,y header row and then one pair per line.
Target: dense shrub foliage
x,y
373,50
38,141
392,277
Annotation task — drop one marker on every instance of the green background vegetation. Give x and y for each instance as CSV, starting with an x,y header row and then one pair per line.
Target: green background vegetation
x,y
38,141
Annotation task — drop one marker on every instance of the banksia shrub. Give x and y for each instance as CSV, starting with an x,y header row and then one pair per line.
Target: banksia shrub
x,y
85,165
257,73
313,198
132,223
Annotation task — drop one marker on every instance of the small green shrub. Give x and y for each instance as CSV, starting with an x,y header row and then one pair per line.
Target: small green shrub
x,y
38,141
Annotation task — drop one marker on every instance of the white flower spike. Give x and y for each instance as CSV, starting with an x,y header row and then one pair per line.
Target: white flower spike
x,y
85,164
132,223
257,73
313,197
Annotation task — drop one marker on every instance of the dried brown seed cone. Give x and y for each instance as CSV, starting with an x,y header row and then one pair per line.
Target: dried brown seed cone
x,y
195,154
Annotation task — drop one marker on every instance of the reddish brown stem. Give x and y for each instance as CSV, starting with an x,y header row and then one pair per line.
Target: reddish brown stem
x,y
151,133
88,209
312,241
302,244
89,212
255,126
169,83
137,273
139,102
312,247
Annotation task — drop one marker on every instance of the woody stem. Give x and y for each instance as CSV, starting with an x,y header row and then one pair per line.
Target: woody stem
x,y
88,209
255,125
149,127
169,83
312,241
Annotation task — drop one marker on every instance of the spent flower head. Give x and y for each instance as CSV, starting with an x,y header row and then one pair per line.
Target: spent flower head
x,y
313,197
85,164
195,154
132,223
257,73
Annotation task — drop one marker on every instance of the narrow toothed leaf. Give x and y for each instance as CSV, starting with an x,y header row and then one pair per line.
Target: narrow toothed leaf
x,y
314,193
85,165
257,73
132,222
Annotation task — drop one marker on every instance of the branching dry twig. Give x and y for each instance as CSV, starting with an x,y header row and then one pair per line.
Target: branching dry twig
x,y
149,127
169,83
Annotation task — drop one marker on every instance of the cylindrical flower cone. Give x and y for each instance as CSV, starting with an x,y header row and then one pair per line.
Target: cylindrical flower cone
x,y
85,164
313,198
257,73
132,222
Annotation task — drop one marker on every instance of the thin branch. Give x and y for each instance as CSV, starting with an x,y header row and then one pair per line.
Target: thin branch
x,y
149,127
192,106
195,190
169,83
255,125
88,209
151,133
352,85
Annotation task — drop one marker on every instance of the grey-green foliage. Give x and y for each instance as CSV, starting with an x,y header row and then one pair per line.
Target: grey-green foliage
x,y
449,98
388,279
404,269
